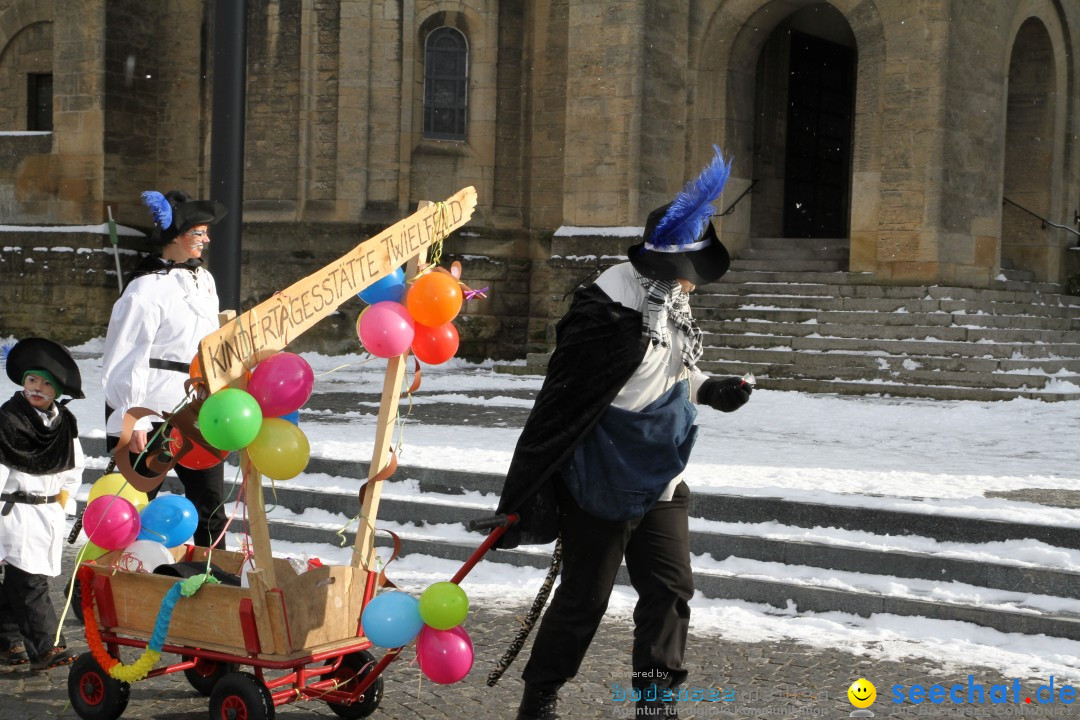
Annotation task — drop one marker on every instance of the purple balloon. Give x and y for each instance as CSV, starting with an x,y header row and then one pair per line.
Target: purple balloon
x,y
281,384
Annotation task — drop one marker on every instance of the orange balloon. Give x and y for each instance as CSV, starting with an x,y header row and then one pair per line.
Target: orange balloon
x,y
434,299
195,369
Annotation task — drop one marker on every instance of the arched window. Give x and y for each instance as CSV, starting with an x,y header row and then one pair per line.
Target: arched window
x,y
446,82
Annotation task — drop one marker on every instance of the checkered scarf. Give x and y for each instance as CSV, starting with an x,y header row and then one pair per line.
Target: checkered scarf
x,y
664,299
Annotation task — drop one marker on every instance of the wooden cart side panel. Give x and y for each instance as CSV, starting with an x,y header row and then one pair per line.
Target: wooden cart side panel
x,y
211,615
324,605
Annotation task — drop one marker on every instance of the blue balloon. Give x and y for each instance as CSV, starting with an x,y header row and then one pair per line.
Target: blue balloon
x,y
293,417
392,619
388,287
169,520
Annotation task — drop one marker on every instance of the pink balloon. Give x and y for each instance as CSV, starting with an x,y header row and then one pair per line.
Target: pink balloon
x,y
111,522
445,656
386,329
281,384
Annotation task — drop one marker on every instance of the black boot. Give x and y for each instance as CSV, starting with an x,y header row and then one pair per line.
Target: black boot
x,y
538,704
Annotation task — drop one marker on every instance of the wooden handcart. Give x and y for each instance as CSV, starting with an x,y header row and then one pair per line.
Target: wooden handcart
x,y
300,634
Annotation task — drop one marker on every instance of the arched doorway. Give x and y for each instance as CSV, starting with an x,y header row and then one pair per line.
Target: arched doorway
x,y
1029,153
804,101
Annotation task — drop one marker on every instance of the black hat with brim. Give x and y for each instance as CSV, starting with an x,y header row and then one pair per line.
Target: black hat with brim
x,y
187,214
40,354
701,266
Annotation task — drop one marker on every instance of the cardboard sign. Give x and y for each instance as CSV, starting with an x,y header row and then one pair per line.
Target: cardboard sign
x,y
269,326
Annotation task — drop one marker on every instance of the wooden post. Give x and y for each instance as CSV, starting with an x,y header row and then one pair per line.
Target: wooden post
x,y
364,547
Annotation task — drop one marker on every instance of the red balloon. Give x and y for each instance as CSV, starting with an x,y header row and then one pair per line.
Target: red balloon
x,y
435,345
197,458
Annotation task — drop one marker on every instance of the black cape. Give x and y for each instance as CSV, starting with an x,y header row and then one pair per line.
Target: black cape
x,y
28,446
598,346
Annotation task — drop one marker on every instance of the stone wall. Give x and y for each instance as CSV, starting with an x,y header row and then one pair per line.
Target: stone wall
x,y
60,285
63,285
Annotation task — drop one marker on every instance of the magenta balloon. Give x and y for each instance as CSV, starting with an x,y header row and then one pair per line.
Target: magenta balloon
x,y
445,656
281,384
386,329
111,522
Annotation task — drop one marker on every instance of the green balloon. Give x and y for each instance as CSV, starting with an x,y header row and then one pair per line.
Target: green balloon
x,y
230,419
443,605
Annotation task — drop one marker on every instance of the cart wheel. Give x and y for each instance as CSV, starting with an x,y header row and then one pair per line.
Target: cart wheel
x,y
206,673
241,696
93,693
353,669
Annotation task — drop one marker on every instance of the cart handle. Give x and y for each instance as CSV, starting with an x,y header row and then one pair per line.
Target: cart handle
x,y
487,523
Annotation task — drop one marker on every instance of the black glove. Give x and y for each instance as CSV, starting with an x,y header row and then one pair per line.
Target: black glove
x,y
726,395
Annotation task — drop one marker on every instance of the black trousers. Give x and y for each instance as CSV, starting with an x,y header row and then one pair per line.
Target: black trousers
x,y
27,611
204,488
657,553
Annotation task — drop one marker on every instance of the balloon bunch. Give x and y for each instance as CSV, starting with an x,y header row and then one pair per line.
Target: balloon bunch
x,y
119,517
417,316
444,649
263,419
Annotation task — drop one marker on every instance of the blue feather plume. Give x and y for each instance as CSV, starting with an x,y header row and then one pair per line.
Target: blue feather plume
x,y
159,206
685,220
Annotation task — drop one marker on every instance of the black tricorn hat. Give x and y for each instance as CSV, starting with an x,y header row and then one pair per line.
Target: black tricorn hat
x,y
175,213
41,354
702,262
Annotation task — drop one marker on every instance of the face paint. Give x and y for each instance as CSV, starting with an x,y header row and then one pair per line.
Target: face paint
x,y
38,391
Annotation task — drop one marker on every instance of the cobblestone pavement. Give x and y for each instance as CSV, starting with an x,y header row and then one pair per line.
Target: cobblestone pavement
x,y
767,679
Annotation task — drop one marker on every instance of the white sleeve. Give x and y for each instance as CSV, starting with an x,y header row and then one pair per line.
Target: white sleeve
x,y
697,379
125,364
73,479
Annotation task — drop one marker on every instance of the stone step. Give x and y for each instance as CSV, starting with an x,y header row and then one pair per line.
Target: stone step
x,y
893,347
952,333
858,317
789,265
888,389
705,303
838,255
799,244
782,357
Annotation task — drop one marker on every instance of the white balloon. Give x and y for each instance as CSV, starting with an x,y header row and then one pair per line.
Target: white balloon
x,y
144,556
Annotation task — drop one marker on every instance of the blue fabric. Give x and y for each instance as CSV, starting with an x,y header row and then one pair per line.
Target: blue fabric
x,y
622,467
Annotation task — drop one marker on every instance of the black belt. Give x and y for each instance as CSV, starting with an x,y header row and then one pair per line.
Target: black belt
x,y
21,496
173,365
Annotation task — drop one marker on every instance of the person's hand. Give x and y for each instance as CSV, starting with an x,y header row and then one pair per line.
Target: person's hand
x,y
138,441
725,394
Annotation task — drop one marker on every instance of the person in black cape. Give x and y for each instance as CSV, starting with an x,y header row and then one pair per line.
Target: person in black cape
x,y
599,461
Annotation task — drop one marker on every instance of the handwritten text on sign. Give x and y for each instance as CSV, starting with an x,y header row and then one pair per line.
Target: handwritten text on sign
x,y
271,325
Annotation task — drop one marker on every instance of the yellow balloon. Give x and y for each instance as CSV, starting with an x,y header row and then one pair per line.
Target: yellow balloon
x,y
280,450
115,484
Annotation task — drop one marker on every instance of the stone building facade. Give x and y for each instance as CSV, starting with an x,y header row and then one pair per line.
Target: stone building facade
x,y
917,132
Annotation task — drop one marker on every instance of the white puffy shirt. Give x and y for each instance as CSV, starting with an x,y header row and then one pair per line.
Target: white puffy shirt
x,y
161,316
32,536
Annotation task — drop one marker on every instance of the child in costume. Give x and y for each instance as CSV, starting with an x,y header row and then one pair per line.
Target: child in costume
x,y
41,465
